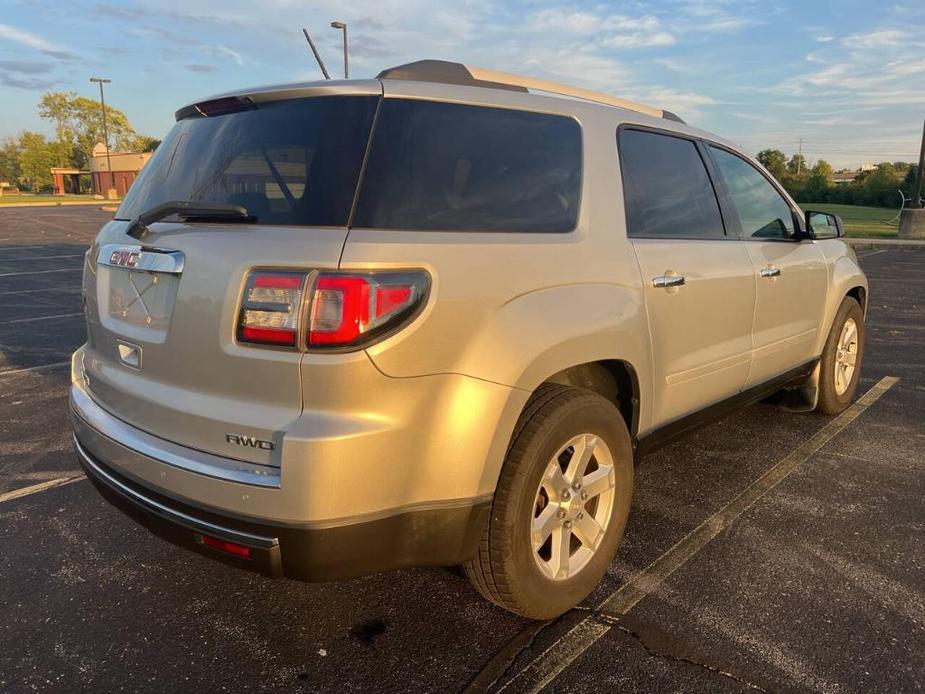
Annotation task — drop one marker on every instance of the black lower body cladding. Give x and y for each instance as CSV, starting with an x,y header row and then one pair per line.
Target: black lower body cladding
x,y
413,538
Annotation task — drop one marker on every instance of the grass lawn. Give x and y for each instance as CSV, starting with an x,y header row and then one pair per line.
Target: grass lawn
x,y
48,199
860,222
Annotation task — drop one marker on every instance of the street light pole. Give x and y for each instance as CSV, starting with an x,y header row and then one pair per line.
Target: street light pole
x,y
112,176
343,26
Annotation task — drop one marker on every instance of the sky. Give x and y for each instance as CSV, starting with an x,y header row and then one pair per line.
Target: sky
x,y
846,77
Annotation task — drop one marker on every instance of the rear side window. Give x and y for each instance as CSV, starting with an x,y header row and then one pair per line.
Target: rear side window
x,y
666,189
439,166
290,162
762,211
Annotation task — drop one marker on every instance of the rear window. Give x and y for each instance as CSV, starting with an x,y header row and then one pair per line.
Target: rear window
x,y
438,166
666,188
290,162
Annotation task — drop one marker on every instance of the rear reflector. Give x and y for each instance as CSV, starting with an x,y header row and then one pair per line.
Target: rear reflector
x,y
271,307
225,546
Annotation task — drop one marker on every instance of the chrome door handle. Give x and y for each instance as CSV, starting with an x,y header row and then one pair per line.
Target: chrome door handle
x,y
668,281
770,272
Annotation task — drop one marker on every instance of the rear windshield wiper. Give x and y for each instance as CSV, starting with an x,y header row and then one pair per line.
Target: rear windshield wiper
x,y
188,209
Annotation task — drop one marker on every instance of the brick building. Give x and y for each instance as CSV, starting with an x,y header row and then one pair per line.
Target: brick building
x,y
125,168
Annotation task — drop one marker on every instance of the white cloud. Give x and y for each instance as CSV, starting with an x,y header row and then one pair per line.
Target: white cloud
x,y
24,38
639,40
712,16
224,51
610,30
683,102
581,68
882,38
906,67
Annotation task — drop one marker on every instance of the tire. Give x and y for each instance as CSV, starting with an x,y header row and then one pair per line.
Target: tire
x,y
509,569
835,396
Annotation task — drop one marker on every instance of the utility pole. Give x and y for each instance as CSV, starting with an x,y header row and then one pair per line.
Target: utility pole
x,y
912,219
800,160
343,27
917,193
112,176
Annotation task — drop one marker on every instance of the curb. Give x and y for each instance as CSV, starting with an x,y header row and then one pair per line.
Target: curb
x,y
910,244
76,203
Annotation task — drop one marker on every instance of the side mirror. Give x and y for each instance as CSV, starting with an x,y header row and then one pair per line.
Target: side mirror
x,y
822,225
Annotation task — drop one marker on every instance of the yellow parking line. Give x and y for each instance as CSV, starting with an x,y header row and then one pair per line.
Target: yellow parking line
x,y
40,367
557,657
40,487
41,318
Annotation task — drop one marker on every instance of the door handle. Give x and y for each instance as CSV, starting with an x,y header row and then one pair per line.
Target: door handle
x,y
770,272
668,281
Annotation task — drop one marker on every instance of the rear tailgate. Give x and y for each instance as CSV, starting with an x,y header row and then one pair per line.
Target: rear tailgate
x,y
161,350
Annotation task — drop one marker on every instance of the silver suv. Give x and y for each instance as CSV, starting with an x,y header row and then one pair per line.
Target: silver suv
x,y
433,318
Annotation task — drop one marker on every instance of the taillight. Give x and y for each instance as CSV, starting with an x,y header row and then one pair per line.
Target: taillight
x,y
271,308
354,309
344,309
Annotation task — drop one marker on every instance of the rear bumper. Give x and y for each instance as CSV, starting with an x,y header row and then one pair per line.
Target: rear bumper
x,y
440,535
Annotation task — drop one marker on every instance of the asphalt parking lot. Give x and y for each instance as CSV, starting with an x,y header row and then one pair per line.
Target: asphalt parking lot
x,y
813,580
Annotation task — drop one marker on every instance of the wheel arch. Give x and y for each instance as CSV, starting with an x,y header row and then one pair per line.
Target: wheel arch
x,y
859,293
614,379
846,279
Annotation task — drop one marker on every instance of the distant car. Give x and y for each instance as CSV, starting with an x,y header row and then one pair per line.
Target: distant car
x,y
432,319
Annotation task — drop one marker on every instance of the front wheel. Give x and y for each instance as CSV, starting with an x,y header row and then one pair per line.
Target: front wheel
x,y
840,368
560,507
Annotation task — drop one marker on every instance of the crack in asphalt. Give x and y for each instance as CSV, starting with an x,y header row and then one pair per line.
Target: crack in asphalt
x,y
504,660
615,622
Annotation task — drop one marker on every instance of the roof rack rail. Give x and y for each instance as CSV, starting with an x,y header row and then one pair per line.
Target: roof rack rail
x,y
446,72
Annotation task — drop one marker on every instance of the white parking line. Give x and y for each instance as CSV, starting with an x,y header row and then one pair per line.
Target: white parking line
x,y
63,290
867,255
557,657
41,367
42,257
19,248
41,318
41,487
40,272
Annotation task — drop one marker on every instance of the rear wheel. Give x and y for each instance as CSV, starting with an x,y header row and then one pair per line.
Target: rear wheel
x,y
840,368
560,507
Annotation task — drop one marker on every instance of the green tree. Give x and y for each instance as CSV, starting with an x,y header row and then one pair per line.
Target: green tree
x,y
818,183
797,165
774,161
878,187
10,170
37,155
143,143
78,122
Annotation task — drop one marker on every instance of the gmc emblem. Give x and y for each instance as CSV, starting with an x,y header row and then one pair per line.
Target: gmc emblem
x,y
124,258
250,441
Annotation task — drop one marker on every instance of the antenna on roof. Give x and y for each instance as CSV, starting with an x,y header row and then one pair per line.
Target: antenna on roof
x,y
324,70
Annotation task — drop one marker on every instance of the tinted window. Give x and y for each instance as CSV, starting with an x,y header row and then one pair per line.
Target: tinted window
x,y
290,162
761,210
666,188
453,167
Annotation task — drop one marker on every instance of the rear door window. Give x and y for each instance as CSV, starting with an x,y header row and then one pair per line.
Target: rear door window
x,y
666,188
762,211
293,162
440,166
